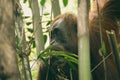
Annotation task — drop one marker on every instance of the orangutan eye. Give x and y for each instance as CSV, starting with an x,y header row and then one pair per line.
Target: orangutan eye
x,y
57,34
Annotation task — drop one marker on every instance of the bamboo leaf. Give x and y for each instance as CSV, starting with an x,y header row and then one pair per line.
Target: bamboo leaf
x,y
28,23
34,45
25,17
46,14
30,30
48,23
65,2
45,38
24,1
69,56
42,2
103,48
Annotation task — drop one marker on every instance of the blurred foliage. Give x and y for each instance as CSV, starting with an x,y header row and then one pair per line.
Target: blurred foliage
x,y
24,1
42,2
65,2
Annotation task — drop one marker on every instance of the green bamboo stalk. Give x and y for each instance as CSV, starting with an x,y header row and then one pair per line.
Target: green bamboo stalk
x,y
114,47
83,40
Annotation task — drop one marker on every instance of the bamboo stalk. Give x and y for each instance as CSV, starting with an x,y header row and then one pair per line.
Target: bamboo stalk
x,y
114,47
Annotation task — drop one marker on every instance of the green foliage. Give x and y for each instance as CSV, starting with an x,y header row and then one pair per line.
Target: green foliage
x,y
28,23
45,14
34,72
25,17
67,56
65,2
34,45
30,29
58,57
45,38
32,41
25,1
48,23
103,48
42,2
